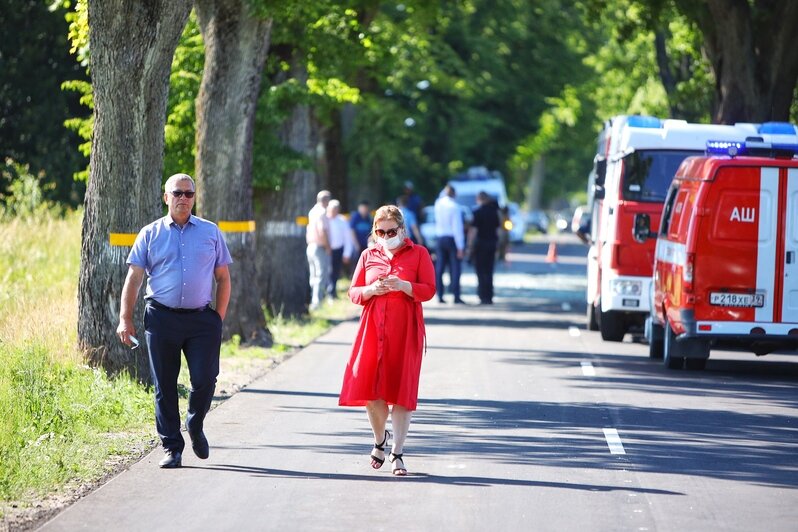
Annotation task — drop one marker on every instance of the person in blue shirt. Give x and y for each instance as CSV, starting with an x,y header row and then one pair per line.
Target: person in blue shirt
x,y
182,255
360,221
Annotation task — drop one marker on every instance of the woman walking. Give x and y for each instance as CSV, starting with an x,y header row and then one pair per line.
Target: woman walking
x,y
391,280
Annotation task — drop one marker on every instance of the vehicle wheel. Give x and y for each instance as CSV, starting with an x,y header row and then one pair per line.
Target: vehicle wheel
x,y
592,324
656,347
670,355
611,325
698,364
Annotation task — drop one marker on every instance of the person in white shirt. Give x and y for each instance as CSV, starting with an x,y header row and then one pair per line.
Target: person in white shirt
x,y
318,250
341,245
451,242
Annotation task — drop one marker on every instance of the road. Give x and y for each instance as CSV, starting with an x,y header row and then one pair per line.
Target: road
x,y
526,421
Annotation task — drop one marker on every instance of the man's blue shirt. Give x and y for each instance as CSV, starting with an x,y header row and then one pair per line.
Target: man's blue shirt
x,y
179,262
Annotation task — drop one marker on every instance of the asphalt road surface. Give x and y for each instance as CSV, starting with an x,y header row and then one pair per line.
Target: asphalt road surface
x,y
526,421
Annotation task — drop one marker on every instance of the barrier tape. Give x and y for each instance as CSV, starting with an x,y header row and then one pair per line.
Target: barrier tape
x,y
247,226
122,239
302,220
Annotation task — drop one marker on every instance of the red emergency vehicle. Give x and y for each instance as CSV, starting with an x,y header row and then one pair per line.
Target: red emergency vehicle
x,y
726,270
636,159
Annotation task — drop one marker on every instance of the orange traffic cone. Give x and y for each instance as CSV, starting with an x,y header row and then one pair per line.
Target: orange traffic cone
x,y
551,257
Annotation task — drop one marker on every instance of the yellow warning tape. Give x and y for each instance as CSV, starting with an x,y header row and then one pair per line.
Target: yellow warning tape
x,y
247,226
122,239
302,220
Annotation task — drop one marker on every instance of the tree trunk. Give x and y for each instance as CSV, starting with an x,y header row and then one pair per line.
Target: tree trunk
x,y
750,48
335,159
236,44
132,44
282,267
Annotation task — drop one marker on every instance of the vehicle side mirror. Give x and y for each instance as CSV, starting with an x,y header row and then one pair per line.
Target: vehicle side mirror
x,y
642,228
598,192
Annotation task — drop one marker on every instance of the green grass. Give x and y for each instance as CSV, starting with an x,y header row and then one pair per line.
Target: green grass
x,y
62,422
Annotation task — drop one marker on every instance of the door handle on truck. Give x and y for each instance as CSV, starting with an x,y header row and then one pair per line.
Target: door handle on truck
x,y
790,257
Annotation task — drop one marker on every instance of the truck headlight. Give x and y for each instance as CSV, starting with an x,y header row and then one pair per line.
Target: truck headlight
x,y
627,288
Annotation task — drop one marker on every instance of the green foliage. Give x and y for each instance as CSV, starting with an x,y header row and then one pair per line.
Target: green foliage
x,y
34,61
184,83
22,194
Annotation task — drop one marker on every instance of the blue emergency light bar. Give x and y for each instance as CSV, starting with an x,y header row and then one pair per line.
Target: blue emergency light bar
x,y
751,146
778,128
651,122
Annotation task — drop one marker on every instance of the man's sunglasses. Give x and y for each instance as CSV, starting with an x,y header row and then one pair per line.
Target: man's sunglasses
x,y
180,193
390,233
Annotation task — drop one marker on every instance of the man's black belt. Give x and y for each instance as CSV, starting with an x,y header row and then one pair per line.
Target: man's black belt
x,y
153,303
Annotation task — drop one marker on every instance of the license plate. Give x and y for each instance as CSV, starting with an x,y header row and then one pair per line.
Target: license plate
x,y
726,299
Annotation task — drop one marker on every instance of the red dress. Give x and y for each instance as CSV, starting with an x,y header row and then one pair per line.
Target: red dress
x,y
386,356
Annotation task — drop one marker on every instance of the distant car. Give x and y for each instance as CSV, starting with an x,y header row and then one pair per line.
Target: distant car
x,y
580,223
562,220
517,224
427,226
537,219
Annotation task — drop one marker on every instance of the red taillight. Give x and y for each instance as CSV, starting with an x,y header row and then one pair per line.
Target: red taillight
x,y
687,275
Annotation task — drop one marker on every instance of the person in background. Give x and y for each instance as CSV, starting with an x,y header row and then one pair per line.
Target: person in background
x,y
451,242
341,244
411,222
414,201
483,237
182,255
391,280
318,250
360,221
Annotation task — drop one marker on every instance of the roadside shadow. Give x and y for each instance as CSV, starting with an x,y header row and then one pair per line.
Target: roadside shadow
x,y
423,478
751,447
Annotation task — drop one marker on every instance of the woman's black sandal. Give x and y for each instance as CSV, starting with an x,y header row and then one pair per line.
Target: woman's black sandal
x,y
380,447
398,471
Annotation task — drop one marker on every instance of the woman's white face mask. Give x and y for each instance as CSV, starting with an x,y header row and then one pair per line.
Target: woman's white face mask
x,y
392,243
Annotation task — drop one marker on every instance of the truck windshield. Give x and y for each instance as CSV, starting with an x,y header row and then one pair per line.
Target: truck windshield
x,y
647,174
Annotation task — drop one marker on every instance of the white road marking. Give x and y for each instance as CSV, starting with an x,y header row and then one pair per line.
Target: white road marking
x,y
614,441
574,331
588,370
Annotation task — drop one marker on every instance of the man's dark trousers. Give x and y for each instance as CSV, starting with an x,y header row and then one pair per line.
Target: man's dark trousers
x,y
484,260
447,255
198,335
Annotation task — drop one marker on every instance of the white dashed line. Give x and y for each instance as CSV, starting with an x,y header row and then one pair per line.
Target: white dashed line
x,y
574,331
588,370
614,441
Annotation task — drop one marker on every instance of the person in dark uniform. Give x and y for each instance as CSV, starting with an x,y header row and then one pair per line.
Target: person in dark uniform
x,y
483,239
182,256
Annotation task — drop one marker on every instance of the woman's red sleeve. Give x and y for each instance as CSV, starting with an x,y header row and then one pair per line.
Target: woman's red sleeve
x,y
358,281
424,287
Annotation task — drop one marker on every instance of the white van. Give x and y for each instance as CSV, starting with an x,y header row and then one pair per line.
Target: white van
x,y
478,179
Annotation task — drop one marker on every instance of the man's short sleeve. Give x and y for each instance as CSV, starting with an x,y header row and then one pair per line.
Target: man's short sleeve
x,y
223,257
138,253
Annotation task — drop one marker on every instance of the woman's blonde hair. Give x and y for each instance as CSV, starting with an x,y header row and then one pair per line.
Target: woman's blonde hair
x,y
388,212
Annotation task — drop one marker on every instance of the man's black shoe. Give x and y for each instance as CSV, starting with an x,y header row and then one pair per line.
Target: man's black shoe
x,y
459,301
171,459
199,443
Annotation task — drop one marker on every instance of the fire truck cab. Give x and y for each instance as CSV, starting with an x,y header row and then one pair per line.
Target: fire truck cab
x,y
726,264
636,159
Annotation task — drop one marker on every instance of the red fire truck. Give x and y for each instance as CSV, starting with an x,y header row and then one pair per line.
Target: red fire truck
x,y
726,266
636,159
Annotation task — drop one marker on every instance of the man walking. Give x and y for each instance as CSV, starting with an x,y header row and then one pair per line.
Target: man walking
x,y
451,242
317,237
181,255
483,238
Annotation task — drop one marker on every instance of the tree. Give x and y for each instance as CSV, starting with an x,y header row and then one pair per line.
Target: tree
x,y
748,44
236,44
131,51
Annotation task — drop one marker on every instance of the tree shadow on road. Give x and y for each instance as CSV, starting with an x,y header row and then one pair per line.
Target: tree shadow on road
x,y
760,448
423,478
